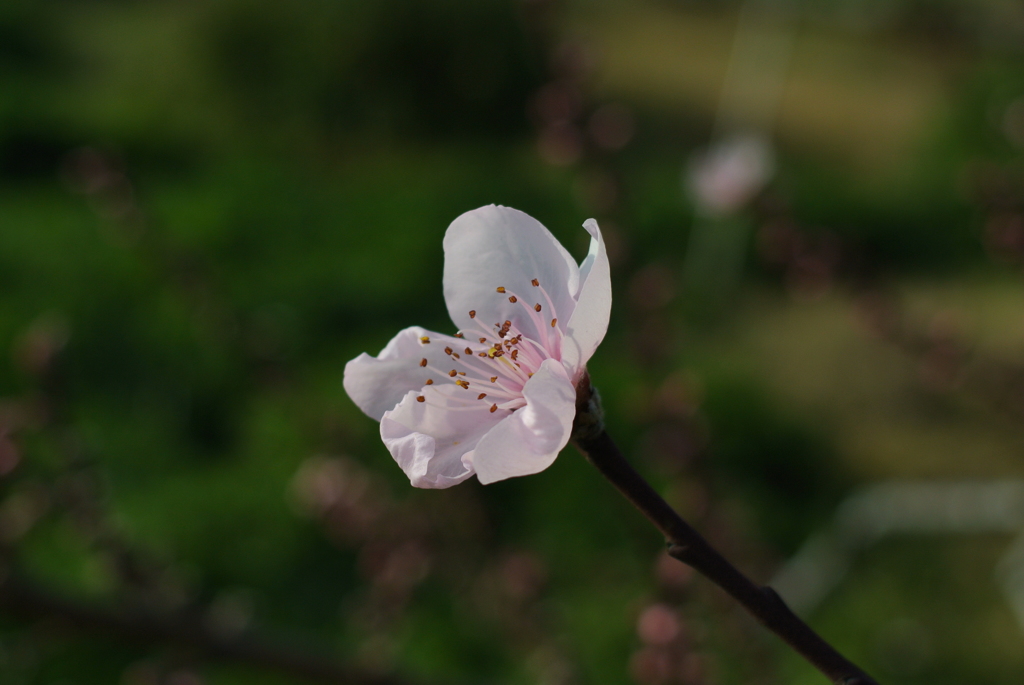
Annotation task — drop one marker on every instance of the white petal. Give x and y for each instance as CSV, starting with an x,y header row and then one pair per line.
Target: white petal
x,y
493,247
529,439
589,321
429,440
377,384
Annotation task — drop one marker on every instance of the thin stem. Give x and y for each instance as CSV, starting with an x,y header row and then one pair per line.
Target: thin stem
x,y
190,632
688,546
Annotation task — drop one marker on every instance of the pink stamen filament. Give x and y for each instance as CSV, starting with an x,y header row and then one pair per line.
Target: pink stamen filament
x,y
535,318
552,315
481,363
519,377
475,381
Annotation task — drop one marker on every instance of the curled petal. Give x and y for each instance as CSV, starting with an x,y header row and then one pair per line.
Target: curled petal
x,y
377,384
589,321
493,247
529,439
429,440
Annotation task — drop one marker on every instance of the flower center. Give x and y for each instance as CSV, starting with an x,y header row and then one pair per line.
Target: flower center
x,y
497,362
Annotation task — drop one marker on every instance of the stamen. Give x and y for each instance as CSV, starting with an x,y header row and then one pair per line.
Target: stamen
x,y
501,289
536,307
459,334
515,353
453,373
472,313
494,408
462,373
423,362
469,351
421,398
456,355
424,340
481,396
535,282
462,384
447,350
512,299
553,322
493,378
482,354
430,381
483,340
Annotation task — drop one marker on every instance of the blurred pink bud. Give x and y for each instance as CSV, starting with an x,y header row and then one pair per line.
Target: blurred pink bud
x,y
560,145
611,126
556,103
44,338
730,174
20,511
651,666
523,575
658,625
9,454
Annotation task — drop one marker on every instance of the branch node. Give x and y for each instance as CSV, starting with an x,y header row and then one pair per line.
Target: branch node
x,y
589,421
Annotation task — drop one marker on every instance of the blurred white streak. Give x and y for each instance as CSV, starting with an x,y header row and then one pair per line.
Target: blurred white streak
x,y
907,508
740,160
1010,573
756,75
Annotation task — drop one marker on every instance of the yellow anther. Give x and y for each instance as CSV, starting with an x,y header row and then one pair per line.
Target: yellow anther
x,y
430,381
424,340
553,322
501,289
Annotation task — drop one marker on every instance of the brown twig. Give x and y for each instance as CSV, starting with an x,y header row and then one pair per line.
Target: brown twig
x,y
23,599
689,547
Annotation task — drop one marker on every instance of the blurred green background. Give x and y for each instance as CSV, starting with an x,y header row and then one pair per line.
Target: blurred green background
x,y
207,208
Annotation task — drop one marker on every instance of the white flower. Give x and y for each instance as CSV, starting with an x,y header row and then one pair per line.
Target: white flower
x,y
730,174
498,398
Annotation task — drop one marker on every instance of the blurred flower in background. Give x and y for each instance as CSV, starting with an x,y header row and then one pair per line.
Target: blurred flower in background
x,y
728,175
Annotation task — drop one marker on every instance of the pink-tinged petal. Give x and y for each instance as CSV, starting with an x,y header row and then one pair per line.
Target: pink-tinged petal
x,y
493,247
529,439
377,384
430,439
589,321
